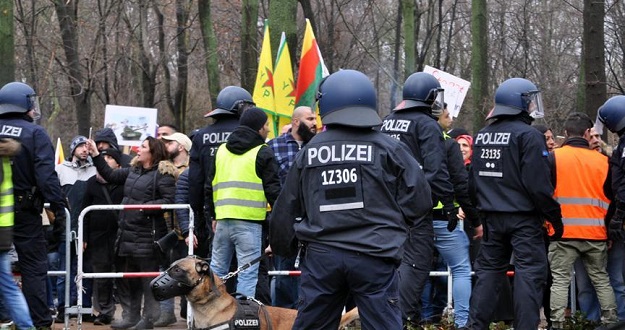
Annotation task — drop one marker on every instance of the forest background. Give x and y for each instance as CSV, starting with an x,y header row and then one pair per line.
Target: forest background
x,y
175,55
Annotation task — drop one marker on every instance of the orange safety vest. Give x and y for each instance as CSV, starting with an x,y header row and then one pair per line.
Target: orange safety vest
x,y
580,175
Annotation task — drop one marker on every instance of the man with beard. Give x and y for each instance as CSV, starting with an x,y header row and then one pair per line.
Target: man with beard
x,y
285,147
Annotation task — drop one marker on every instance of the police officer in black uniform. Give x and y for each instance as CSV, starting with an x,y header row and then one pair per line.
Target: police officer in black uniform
x,y
612,116
349,197
34,181
231,102
515,195
412,123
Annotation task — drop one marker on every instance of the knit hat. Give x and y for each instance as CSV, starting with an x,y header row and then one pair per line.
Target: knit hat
x,y
455,132
253,118
76,141
106,135
182,139
113,153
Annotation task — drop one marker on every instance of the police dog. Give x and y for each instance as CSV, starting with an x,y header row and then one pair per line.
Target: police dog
x,y
211,304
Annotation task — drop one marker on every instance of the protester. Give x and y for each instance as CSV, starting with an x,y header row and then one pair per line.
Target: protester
x,y
73,175
149,180
34,180
549,138
100,231
285,147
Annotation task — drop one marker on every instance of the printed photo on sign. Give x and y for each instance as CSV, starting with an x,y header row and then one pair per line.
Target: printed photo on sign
x,y
130,124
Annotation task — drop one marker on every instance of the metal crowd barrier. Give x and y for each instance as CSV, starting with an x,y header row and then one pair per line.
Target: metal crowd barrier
x,y
80,274
69,236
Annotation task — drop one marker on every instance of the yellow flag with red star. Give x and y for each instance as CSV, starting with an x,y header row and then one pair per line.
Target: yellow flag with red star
x,y
284,86
263,90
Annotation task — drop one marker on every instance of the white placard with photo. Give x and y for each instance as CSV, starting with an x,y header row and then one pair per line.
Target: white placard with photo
x,y
456,89
131,125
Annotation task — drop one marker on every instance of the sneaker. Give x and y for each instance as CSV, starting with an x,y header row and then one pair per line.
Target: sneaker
x,y
123,324
165,319
143,324
102,319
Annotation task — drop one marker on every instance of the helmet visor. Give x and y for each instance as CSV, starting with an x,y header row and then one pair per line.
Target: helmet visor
x,y
33,101
534,102
599,124
439,96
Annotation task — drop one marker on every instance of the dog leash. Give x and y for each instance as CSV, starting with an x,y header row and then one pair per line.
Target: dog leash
x,y
242,268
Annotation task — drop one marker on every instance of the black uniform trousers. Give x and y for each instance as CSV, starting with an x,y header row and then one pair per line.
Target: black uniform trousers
x,y
330,274
508,232
31,247
415,268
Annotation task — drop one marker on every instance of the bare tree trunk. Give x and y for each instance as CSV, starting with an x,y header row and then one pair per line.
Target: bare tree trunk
x,y
594,56
249,45
7,45
408,17
180,95
80,89
309,13
479,61
397,52
210,48
281,14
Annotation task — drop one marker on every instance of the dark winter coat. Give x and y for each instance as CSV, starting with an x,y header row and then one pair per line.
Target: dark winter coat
x,y
139,229
100,227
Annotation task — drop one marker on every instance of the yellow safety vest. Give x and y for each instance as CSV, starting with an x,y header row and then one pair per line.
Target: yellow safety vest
x,y
237,191
7,202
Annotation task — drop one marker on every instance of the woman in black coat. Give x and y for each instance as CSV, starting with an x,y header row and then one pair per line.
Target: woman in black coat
x,y
148,180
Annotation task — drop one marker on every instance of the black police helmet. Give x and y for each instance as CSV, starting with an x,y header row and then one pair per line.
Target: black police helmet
x,y
612,113
421,89
230,100
515,96
347,97
17,97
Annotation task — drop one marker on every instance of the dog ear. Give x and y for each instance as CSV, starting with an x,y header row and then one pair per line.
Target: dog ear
x,y
202,267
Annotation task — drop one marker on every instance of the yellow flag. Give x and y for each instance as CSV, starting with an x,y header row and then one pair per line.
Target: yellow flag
x,y
284,86
59,155
263,90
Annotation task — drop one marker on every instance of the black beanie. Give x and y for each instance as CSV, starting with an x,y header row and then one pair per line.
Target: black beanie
x,y
113,153
253,118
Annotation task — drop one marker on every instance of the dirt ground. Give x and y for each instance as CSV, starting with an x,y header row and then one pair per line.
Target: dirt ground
x,y
73,324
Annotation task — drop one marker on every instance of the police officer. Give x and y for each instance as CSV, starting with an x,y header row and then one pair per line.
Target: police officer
x,y
412,123
34,181
231,102
515,194
349,198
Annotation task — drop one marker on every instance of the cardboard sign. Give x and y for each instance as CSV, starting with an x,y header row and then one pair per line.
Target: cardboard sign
x,y
131,125
456,89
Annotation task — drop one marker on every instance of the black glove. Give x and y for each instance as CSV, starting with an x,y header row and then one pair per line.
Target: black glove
x,y
615,229
58,229
558,229
452,218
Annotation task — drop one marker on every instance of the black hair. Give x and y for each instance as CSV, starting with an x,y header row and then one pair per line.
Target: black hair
x,y
542,128
172,126
577,123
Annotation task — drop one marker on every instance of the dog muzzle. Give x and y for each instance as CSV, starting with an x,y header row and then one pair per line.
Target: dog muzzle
x,y
165,287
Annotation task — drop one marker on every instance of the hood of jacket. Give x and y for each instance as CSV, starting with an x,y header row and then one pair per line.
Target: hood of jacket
x,y
107,135
243,139
164,166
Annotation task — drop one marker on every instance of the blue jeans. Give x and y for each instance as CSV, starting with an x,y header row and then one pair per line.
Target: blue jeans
x,y
12,297
454,248
53,265
243,238
434,297
586,295
286,287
